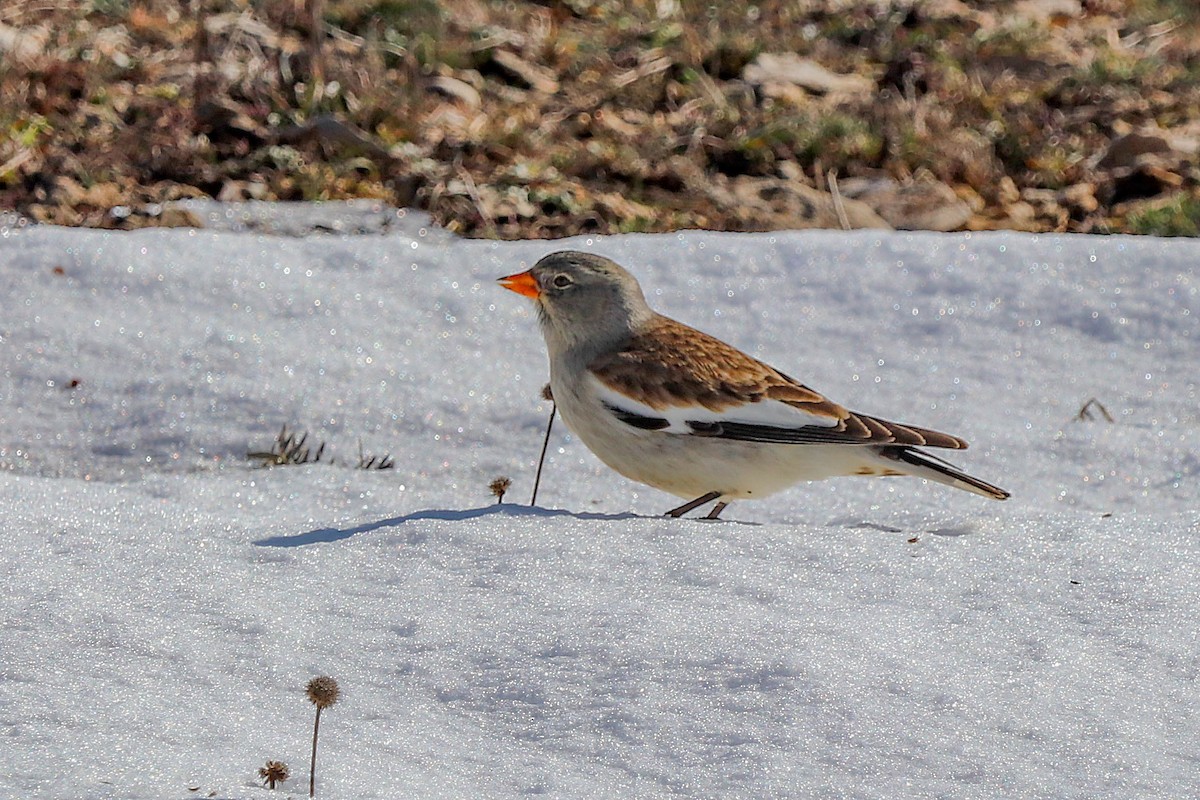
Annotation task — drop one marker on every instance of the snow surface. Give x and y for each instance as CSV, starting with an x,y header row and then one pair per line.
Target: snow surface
x,y
165,602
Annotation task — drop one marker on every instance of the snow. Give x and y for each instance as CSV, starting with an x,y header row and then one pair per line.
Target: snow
x,y
165,601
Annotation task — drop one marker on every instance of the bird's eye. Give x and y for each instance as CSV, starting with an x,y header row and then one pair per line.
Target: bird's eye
x,y
562,281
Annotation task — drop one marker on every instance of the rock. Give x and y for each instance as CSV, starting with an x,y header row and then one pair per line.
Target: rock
x,y
779,203
65,191
1124,152
1038,196
451,121
1145,180
103,195
1007,191
537,78
924,203
967,156
23,44
1045,203
1080,198
622,207
330,131
1016,216
1041,11
54,214
954,11
1184,139
455,89
771,69
1140,164
177,217
58,189
235,191
1022,214
788,93
224,120
972,198
906,72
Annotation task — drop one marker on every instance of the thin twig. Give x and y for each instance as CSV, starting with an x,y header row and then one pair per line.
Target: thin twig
x,y
477,199
316,32
1085,412
537,480
20,158
839,207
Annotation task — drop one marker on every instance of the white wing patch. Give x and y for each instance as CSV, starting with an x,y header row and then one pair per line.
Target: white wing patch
x,y
770,413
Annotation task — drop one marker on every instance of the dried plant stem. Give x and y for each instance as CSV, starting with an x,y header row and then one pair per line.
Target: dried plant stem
x,y
473,192
838,206
322,692
1085,412
537,480
312,768
316,31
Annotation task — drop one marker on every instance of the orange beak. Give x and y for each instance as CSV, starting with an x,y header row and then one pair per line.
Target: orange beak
x,y
521,283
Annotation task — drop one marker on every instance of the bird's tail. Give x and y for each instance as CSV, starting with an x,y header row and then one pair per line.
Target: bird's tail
x,y
923,465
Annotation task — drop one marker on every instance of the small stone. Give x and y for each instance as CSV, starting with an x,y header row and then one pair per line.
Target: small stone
x,y
1184,139
1022,215
1080,196
177,217
924,203
789,68
953,10
1047,10
1125,151
455,89
1007,191
971,197
223,119
537,78
1039,197
774,203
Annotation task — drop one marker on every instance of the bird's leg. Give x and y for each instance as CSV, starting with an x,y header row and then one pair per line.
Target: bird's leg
x,y
716,511
692,504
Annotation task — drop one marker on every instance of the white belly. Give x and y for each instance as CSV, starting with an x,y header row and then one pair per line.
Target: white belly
x,y
688,466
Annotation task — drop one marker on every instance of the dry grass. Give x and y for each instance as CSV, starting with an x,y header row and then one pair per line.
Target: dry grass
x,y
546,119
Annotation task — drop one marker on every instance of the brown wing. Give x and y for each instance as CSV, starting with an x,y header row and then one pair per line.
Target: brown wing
x,y
671,364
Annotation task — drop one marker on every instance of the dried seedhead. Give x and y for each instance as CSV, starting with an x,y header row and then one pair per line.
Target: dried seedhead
x,y
323,691
274,772
499,486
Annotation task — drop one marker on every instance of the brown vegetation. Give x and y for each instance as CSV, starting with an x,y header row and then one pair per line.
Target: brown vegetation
x,y
543,119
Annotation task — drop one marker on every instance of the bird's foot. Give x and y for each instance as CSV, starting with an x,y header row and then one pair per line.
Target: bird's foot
x,y
691,505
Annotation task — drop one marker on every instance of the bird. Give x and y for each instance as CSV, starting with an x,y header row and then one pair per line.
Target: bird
x,y
669,406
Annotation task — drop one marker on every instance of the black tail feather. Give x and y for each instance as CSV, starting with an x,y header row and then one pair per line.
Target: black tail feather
x,y
938,469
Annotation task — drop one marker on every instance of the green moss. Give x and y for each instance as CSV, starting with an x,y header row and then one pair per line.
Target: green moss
x,y
1010,40
1119,68
840,137
1148,12
111,8
1180,218
636,225
407,17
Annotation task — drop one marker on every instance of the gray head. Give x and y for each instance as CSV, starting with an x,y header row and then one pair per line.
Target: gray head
x,y
584,301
